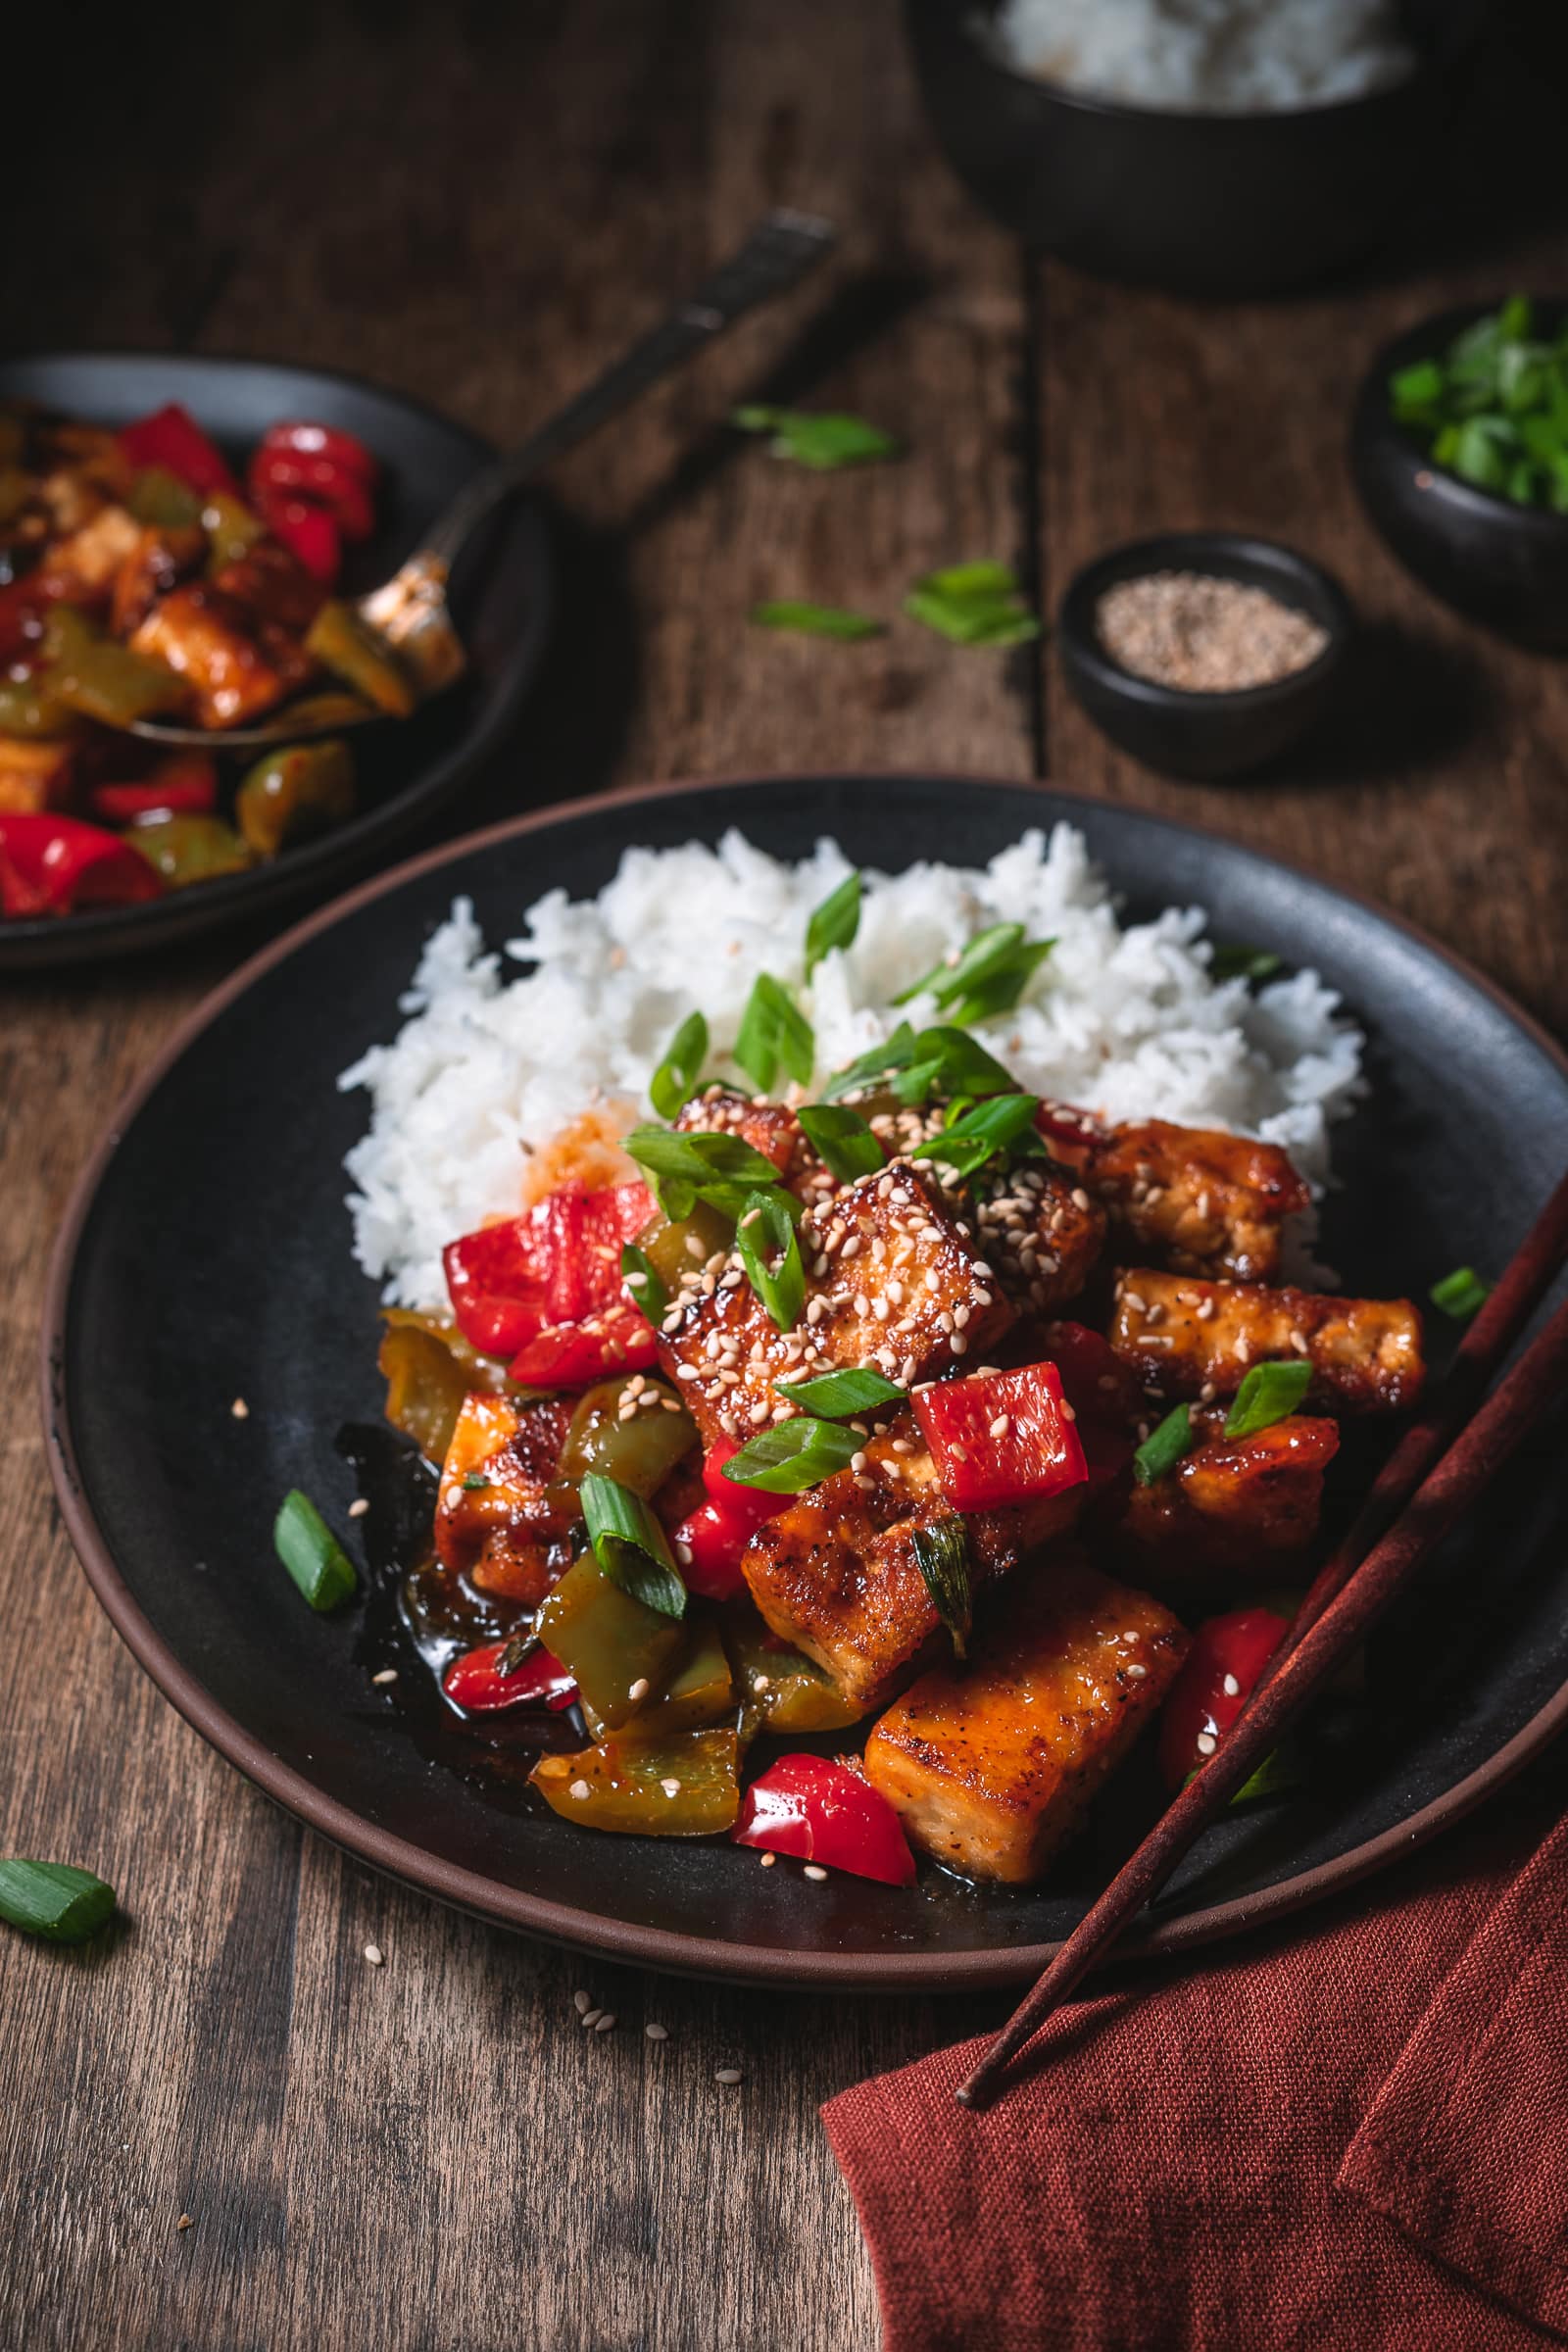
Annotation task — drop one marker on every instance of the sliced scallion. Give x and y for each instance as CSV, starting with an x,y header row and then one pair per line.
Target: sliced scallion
x,y
1461,1294
841,1136
52,1899
1004,1125
1267,1394
987,979
630,1545
682,1168
765,1235
823,440
792,1455
942,1554
674,1082
312,1554
641,1278
773,1030
1163,1448
834,923
840,1396
795,617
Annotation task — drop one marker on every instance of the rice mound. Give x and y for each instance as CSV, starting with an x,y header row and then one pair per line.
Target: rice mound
x,y
1123,1021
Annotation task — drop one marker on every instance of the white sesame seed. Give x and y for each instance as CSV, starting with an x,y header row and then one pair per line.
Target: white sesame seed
x,y
1206,1744
358,1507
728,2074
580,1790
958,1344
688,1372
639,1691
654,2032
1000,1426
374,1954
240,1409
1137,1672
1231,1686
590,2018
768,1861
581,2002
388,1674
814,1870
605,2023
671,1786
694,1247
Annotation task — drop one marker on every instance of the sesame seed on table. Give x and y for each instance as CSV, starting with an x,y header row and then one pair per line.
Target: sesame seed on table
x,y
228,2055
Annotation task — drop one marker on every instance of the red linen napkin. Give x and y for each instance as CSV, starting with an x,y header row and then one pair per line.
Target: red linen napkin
x,y
1351,2134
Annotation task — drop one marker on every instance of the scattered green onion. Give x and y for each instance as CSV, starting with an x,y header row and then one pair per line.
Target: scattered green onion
x,y
54,1899
674,1082
834,923
825,442
720,1169
474,1482
973,604
840,1396
1163,1448
942,1554
868,1069
792,1455
948,1062
842,1139
1234,961
641,1277
1492,408
815,620
774,1030
1267,1394
987,979
1280,1772
1004,1124
312,1554
1461,1294
630,1545
766,1233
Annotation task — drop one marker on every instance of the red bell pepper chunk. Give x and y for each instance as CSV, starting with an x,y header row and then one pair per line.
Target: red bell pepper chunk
x,y
712,1543
1071,1131
547,1284
323,441
1094,1381
821,1812
172,438
1218,1676
1001,1436
55,864
475,1682
309,532
185,785
496,1282
319,480
571,1355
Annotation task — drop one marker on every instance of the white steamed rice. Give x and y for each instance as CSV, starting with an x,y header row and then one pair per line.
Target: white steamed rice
x,y
1123,1021
1219,55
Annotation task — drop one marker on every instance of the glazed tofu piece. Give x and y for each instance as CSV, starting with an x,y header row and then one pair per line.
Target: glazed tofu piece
x,y
272,587
891,1281
158,563
989,1766
80,569
837,1574
34,778
1208,1203
1201,1338
509,1535
771,1128
1233,1506
204,637
1044,1232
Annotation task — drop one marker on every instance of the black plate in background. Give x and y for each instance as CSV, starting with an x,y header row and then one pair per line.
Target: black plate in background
x,y
208,1256
502,601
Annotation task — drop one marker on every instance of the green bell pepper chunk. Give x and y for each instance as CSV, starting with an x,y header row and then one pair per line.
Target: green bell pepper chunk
x,y
351,650
291,794
699,1689
28,710
638,1453
101,679
686,1784
160,498
187,849
616,1649
665,1243
233,530
780,1689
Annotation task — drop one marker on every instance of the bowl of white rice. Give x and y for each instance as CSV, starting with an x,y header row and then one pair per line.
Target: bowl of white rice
x,y
1219,148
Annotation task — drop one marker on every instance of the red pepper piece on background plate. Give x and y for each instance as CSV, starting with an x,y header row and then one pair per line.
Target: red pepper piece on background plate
x,y
309,532
477,1681
54,864
323,441
184,785
172,438
1001,1436
821,1812
319,480
1217,1678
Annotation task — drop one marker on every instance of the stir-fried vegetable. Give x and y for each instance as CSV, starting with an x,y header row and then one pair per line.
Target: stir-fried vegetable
x,y
1001,1436
681,1785
515,1672
819,1812
189,848
1219,1675
617,1649
295,792
619,1437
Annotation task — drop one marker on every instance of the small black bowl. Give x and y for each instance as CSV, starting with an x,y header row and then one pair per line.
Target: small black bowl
x,y
1208,735
1207,204
1496,561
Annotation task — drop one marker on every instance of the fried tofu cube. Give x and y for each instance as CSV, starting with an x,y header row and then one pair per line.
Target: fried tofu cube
x,y
1238,1507
1045,1234
160,560
501,1519
1185,1337
989,1766
34,778
891,1281
80,569
1209,1202
202,636
837,1574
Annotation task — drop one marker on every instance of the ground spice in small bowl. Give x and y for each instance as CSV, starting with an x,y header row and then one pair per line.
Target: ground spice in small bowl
x,y
1204,634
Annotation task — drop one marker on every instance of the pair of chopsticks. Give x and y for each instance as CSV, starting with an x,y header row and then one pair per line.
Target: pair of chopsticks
x,y
1438,1469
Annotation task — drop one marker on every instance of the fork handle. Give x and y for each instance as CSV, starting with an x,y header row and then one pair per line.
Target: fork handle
x,y
776,256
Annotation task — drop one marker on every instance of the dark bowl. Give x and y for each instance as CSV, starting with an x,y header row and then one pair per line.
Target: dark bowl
x,y
1206,204
1496,561
1209,735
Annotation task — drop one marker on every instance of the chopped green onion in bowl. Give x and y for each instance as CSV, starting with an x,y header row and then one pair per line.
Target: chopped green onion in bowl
x,y
1493,407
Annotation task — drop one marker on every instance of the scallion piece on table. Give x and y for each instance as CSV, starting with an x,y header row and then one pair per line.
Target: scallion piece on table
x,y
841,1138
973,604
1461,1294
815,620
834,923
1267,1394
312,1554
942,1554
641,1278
674,1082
54,1899
792,1455
822,441
773,1030
630,1545
765,1235
840,1396
1164,1446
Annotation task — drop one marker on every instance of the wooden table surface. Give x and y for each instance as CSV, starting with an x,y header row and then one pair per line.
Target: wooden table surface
x,y
477,205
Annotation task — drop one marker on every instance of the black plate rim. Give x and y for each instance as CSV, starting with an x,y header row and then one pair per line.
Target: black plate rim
x,y
101,932
619,1939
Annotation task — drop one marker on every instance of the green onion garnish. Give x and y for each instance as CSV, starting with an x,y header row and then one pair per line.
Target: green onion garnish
x,y
947,1062
720,1169
823,442
773,1030
1461,1294
765,1235
1267,1394
54,1899
840,1396
1233,959
1492,408
804,619
973,604
1281,1770
834,923
1004,1124
474,1482
942,1554
841,1136
987,979
312,1554
630,1545
1163,1448
792,1455
674,1082
897,1052
641,1278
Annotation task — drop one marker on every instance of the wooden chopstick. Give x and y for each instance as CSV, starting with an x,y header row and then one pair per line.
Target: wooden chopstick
x,y
1460,1476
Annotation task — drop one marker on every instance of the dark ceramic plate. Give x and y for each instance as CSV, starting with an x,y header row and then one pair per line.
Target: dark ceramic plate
x,y
501,599
207,1257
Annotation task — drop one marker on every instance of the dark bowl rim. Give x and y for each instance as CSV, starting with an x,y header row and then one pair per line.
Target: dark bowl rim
x,y
1429,66
467,1891
1079,642
111,932
1376,432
